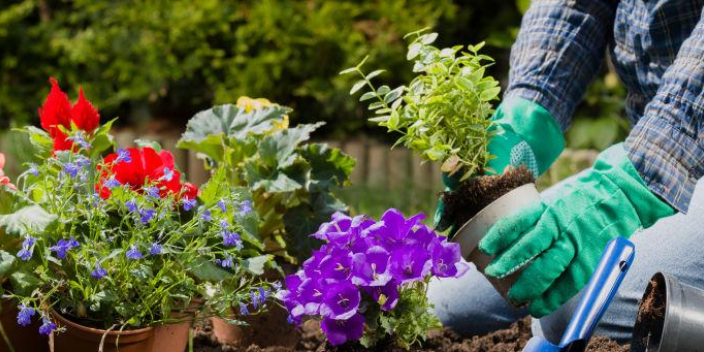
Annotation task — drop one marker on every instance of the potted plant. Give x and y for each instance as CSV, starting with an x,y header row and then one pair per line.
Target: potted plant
x,y
444,115
291,182
117,248
367,283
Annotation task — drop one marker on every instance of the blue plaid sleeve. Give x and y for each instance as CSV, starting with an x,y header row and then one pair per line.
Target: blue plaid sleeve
x,y
559,49
667,144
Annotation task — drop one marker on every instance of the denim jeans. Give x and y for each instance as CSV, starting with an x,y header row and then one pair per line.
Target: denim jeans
x,y
471,306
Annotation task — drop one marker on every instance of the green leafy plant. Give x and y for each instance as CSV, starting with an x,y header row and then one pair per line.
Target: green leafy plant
x,y
292,181
443,113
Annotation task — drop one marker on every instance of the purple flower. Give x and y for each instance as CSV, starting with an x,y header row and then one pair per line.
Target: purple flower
x,y
132,206
112,182
447,259
227,263
246,207
222,206
341,331
71,169
24,317
63,246
310,296
78,139
134,253
336,266
146,215
386,296
262,295
99,272
47,327
340,301
27,248
152,192
123,156
155,249
33,169
207,215
410,264
188,204
243,309
231,239
371,268
253,298
168,174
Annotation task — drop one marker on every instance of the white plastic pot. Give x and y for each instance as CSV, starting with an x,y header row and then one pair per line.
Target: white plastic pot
x,y
472,232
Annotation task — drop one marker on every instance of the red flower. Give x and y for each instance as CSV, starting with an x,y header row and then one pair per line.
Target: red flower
x,y
4,180
57,111
147,167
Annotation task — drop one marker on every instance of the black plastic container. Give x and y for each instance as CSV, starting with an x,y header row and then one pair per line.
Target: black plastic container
x,y
678,323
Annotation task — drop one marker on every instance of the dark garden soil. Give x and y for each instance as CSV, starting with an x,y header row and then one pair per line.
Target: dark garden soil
x,y
509,340
476,193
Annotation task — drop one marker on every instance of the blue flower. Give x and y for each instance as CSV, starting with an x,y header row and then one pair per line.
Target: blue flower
x,y
134,253
168,174
24,317
262,295
47,327
71,169
27,248
78,139
82,161
155,249
33,169
123,156
231,239
112,182
146,215
246,207
228,262
188,204
253,297
63,246
222,206
277,286
132,206
99,272
152,192
207,215
243,309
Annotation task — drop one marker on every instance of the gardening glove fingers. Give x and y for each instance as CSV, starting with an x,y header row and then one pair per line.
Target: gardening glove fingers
x,y
528,246
508,229
535,281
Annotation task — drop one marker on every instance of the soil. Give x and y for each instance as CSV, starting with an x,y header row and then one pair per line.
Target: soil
x,y
476,193
653,305
651,317
512,339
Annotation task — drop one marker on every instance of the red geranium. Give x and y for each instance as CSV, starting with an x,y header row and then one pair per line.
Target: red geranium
x,y
138,167
57,111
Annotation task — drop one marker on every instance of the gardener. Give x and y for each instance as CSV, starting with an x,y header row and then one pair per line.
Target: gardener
x,y
657,47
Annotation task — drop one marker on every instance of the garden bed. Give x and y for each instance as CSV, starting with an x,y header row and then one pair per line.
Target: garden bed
x,y
512,339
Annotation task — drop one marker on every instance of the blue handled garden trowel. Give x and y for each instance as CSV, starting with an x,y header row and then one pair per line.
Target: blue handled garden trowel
x,y
602,287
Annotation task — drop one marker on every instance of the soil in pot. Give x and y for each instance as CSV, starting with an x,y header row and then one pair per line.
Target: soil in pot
x,y
509,340
476,193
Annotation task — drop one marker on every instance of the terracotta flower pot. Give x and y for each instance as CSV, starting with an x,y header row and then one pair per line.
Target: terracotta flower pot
x,y
79,338
264,330
174,337
25,338
472,232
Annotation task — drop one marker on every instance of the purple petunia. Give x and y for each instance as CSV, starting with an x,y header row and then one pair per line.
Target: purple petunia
x,y
133,253
387,295
340,331
447,259
24,316
340,301
63,246
410,264
371,268
47,327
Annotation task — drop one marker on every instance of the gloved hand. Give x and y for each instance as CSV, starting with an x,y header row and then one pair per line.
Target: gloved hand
x,y
563,241
523,133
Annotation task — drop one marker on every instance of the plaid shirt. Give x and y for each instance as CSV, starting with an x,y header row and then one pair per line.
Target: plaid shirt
x,y
657,47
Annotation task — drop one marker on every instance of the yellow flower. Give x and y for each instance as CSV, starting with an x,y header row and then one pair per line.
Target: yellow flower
x,y
250,104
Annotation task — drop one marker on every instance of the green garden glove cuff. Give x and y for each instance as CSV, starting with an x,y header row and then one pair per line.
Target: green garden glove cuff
x,y
558,245
526,134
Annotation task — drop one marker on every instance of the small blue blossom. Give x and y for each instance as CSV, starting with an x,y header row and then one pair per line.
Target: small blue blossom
x,y
231,239
134,253
253,297
227,263
290,320
24,317
188,204
146,215
123,156
112,182
78,139
222,206
132,206
246,207
152,192
224,224
82,161
207,215
47,327
27,248
63,246
277,286
33,169
99,272
262,296
243,309
168,174
71,169
155,249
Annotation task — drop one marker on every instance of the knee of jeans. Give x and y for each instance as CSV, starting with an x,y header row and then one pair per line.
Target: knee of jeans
x,y
470,306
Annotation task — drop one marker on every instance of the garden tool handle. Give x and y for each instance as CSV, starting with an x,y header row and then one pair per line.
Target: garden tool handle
x,y
603,285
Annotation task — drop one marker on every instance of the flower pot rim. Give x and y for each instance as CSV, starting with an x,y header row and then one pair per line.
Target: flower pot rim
x,y
115,333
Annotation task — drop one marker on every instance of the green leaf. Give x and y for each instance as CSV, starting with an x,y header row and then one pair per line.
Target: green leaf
x,y
7,261
383,90
429,38
206,270
277,150
367,96
413,51
142,143
393,95
490,94
215,188
329,166
30,219
348,70
256,265
374,74
357,86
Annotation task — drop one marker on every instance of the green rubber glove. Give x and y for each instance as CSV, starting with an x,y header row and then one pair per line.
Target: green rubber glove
x,y
524,134
564,240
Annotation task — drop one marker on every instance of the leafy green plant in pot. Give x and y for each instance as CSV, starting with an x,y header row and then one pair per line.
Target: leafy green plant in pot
x,y
291,181
446,114
115,249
